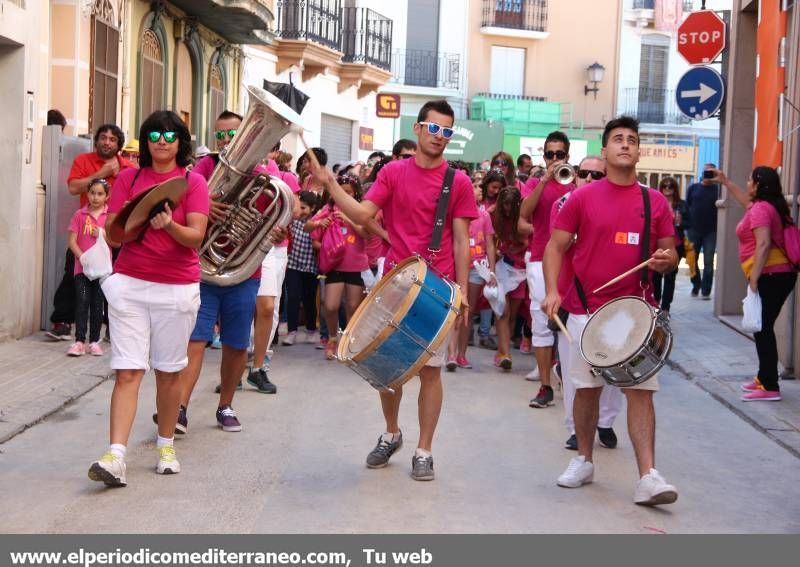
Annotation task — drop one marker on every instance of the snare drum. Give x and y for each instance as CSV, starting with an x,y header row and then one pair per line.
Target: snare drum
x,y
626,341
400,325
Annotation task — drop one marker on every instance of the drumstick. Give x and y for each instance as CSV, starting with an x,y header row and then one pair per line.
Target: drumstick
x,y
561,326
312,157
619,277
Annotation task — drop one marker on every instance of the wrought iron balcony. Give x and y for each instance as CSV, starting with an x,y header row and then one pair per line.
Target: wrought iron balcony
x,y
311,20
644,4
526,15
652,106
366,37
417,67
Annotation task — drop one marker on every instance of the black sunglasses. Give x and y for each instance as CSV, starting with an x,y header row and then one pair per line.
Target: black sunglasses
x,y
550,154
500,162
584,173
406,156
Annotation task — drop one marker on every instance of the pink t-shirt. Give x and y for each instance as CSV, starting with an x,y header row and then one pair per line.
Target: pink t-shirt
x,y
408,195
758,214
608,220
82,224
540,219
566,277
355,255
480,230
513,251
158,257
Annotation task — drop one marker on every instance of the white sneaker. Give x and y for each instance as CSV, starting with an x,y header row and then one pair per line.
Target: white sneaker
x,y
533,375
167,461
652,490
312,337
288,340
110,469
579,472
283,328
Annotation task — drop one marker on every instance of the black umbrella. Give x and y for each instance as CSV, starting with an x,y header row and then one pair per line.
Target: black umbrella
x,y
288,93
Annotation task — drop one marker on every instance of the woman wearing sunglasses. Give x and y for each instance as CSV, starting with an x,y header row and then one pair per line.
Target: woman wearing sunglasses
x,y
154,293
669,188
503,162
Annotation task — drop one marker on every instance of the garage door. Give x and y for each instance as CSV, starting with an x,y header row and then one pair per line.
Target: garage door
x,y
336,137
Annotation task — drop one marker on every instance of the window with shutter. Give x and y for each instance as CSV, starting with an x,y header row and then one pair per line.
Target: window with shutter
x,y
653,78
216,100
104,76
152,75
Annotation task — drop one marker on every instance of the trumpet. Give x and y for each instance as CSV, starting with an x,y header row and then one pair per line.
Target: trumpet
x,y
564,173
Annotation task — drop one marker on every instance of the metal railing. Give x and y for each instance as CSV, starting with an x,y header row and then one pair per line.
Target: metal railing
x,y
644,4
653,106
313,20
421,68
530,15
366,37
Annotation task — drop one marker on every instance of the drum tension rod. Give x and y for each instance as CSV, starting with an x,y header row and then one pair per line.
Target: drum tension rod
x,y
414,338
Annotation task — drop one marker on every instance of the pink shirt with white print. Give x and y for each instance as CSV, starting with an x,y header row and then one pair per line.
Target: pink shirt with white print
x,y
82,224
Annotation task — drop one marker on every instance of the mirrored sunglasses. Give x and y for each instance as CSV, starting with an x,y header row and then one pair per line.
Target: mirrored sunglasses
x,y
584,173
434,129
169,137
220,134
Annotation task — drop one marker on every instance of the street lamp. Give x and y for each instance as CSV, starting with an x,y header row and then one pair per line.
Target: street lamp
x,y
594,74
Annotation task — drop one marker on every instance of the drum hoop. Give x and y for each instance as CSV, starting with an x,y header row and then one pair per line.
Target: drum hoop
x,y
653,318
437,341
398,316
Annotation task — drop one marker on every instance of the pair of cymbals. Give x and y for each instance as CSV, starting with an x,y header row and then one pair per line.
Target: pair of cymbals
x,y
136,214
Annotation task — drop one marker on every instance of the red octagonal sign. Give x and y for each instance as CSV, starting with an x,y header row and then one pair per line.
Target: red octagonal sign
x,y
701,38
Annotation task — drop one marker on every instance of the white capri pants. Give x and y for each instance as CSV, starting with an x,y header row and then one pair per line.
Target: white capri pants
x,y
542,336
273,272
611,399
150,323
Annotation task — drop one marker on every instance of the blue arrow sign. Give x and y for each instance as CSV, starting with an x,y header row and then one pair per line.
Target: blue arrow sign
x,y
700,93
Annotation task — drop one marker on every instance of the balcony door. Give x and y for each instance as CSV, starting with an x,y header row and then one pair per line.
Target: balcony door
x,y
653,78
422,43
507,71
508,14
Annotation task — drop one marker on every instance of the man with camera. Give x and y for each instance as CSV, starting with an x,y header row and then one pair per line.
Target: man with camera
x,y
701,200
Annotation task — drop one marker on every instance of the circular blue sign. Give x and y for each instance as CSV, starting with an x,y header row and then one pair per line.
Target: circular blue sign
x,y
700,93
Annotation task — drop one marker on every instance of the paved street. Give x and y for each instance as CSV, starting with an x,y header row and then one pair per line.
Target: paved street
x,y
297,467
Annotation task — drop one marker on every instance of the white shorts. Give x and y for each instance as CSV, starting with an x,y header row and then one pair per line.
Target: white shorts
x,y
150,323
273,270
438,360
542,336
579,371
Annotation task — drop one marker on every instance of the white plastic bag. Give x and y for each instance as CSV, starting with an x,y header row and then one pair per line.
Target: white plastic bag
x,y
96,261
751,311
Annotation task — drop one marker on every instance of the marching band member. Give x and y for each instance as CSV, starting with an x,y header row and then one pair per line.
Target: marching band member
x,y
399,184
607,218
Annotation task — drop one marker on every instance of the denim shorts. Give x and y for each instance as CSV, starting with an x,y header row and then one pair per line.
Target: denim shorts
x,y
233,307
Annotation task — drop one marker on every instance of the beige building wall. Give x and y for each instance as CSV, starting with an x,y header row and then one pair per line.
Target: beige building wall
x,y
555,65
23,92
737,161
69,64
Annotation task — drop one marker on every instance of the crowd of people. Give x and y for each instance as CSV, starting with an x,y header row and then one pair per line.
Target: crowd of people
x,y
522,241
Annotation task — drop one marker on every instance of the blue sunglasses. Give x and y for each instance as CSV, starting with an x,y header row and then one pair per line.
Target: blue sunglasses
x,y
434,128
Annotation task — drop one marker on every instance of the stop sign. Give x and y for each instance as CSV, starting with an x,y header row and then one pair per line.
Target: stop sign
x,y
701,38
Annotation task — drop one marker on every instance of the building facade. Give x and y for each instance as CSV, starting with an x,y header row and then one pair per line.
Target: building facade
x,y
672,144
742,138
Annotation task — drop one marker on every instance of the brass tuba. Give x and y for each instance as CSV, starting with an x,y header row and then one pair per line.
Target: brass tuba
x,y
234,248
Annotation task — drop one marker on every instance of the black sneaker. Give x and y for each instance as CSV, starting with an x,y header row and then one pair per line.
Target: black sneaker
x,y
543,399
182,426
218,389
258,379
695,292
422,468
60,332
379,456
608,438
572,443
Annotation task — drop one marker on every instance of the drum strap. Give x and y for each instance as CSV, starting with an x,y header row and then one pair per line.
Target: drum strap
x,y
441,211
646,237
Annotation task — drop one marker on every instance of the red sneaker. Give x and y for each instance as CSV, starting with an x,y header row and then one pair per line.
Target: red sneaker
x,y
751,386
463,362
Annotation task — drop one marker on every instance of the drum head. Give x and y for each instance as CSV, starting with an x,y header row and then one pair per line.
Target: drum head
x,y
617,331
389,301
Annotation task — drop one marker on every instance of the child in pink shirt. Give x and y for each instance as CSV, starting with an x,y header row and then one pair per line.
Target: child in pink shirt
x,y
83,230
513,235
345,276
482,251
